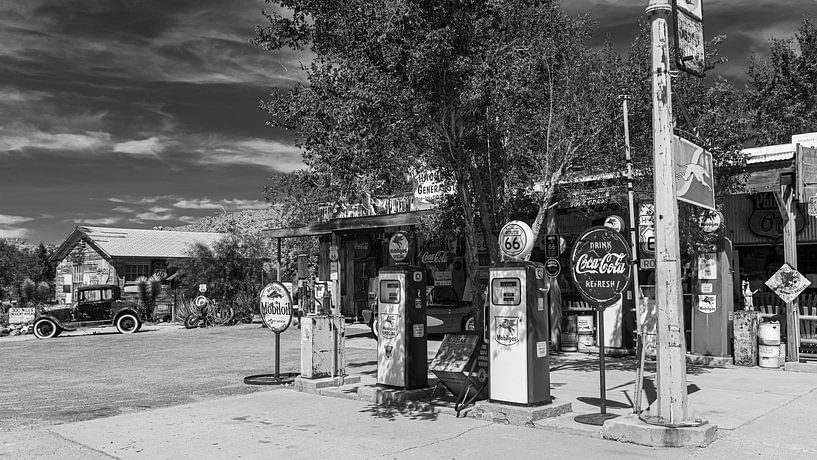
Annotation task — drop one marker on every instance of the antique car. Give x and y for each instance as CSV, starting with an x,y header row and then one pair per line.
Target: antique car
x,y
96,305
447,314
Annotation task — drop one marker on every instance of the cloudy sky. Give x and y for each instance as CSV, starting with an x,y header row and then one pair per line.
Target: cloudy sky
x,y
138,114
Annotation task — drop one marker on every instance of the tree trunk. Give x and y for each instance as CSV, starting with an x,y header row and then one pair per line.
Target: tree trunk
x,y
471,258
486,217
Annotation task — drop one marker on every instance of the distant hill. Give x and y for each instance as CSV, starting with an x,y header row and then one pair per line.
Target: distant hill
x,y
249,221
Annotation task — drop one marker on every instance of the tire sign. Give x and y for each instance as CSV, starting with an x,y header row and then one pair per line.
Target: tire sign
x,y
276,307
515,240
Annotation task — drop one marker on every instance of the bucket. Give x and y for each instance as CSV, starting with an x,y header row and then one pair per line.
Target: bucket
x,y
586,340
570,324
569,341
584,324
768,333
768,355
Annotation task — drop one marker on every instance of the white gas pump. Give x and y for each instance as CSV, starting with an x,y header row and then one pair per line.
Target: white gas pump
x,y
518,319
520,367
402,345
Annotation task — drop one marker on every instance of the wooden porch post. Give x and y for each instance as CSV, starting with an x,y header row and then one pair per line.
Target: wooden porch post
x,y
790,257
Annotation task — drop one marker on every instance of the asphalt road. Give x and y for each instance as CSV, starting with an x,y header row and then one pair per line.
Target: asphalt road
x,y
99,373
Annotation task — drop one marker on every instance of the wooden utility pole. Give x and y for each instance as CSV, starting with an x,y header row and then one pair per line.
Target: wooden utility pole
x,y
672,407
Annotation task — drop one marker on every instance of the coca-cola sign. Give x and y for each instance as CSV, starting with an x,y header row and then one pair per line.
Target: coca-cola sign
x,y
440,258
600,265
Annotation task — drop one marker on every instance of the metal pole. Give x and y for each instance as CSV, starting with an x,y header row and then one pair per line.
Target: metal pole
x,y
634,243
633,239
672,408
602,379
278,272
277,355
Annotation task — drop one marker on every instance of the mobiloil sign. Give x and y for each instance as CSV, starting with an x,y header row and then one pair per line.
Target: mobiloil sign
x,y
402,341
518,314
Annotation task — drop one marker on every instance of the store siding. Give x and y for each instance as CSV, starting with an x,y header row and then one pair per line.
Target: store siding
x,y
738,210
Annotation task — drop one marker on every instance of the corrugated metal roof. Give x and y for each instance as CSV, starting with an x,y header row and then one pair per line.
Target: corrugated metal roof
x,y
131,242
769,153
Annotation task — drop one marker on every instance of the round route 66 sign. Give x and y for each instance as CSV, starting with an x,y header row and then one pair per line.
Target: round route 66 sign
x,y
515,240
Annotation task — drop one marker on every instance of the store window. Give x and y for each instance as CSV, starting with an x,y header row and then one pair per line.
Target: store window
x,y
134,271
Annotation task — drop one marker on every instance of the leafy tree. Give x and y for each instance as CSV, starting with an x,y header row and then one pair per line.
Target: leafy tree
x,y
232,270
497,95
782,89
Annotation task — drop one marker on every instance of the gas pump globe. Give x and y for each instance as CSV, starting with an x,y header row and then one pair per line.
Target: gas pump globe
x,y
518,318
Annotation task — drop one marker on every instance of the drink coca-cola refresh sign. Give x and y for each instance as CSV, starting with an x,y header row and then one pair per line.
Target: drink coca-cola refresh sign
x,y
600,265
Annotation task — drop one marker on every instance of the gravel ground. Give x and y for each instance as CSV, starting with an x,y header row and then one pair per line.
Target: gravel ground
x,y
97,373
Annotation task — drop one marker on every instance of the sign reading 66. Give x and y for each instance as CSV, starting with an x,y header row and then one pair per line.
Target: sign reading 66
x,y
515,240
276,307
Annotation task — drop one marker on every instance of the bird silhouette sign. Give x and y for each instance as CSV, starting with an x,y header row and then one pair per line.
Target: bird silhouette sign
x,y
694,182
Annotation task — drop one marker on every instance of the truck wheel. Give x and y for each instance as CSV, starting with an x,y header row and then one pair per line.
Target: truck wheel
x,y
127,323
45,329
192,321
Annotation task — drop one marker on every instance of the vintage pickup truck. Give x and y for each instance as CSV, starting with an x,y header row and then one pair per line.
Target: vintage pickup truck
x,y
96,305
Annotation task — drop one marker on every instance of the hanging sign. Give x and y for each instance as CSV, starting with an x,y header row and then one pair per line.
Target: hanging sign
x,y
689,36
515,240
600,265
333,253
399,247
276,307
694,182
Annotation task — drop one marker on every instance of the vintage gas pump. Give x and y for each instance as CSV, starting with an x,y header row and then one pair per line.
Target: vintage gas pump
x,y
518,318
402,345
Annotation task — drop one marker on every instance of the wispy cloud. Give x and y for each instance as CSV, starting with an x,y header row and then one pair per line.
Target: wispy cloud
x,y
127,199
271,154
122,209
21,139
9,226
153,216
102,221
6,219
206,203
149,146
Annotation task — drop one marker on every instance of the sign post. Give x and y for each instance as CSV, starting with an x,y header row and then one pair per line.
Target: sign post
x,y
276,313
601,271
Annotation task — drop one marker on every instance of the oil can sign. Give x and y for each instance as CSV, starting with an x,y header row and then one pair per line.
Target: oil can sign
x,y
276,307
600,265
